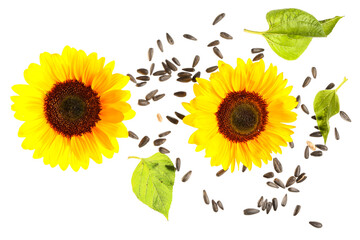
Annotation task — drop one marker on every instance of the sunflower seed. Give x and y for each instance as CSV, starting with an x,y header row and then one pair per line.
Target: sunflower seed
x,y
298,100
221,206
218,18
184,74
143,78
330,86
301,178
158,97
140,84
206,198
159,141
277,165
143,102
151,94
316,134
169,39
180,94
159,117
306,81
171,65
275,203
268,175
143,71
150,53
178,164
186,176
189,69
304,108
258,57
260,202
244,168
291,144
251,211
159,43
176,61
196,75
322,147
131,77
144,141
292,189
179,115
214,43
315,224
164,134
166,68
306,153
190,37
313,117
268,207
152,68
297,171
316,127
311,145
172,120
297,210
290,181
211,69
164,77
264,205
184,79
133,135
257,50
344,116
271,184
316,154
279,183
337,135
217,52
226,35
159,73
284,201
220,172
163,150
196,61
314,72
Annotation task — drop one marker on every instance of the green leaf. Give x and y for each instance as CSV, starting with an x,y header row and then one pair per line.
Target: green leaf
x,y
326,105
329,24
153,181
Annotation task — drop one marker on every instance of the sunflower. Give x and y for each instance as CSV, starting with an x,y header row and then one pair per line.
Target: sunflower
x,y
241,114
73,108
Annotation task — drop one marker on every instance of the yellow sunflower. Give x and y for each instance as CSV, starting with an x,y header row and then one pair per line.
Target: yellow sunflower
x,y
73,108
241,114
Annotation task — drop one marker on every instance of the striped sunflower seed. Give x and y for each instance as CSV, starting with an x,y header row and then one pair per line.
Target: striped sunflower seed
x,y
290,181
164,134
159,141
258,57
344,116
163,150
291,144
131,78
277,165
314,72
144,141
189,69
321,147
143,71
190,37
278,182
304,108
260,202
169,39
275,203
297,171
184,79
306,153
178,164
330,86
143,78
165,77
268,207
217,52
244,168
297,210
292,189
184,74
316,154
315,224
159,73
172,120
151,94
186,176
264,205
158,97
268,175
180,94
301,178
166,68
179,115
143,102
160,45
196,61
133,135
316,134
140,84
196,75
218,18
214,206
150,53
298,100
257,50
205,197
176,61
152,68
284,200
226,35
337,135
220,172
306,81
171,65
221,206
214,43
273,185
211,69
251,211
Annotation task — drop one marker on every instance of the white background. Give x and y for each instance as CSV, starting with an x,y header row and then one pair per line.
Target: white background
x,y
39,202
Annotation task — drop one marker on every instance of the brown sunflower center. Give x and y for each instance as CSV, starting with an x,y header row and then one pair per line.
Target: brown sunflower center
x,y
242,116
71,108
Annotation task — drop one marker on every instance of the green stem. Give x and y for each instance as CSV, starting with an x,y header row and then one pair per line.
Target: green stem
x,y
254,32
344,81
134,157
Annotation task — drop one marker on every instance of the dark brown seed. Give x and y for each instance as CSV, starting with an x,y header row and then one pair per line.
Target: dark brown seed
x,y
260,202
180,94
297,210
226,35
275,203
158,97
189,69
196,61
176,61
277,165
316,134
159,141
159,73
178,164
206,198
292,189
271,184
151,94
330,86
284,201
159,43
211,69
171,65
337,135
221,206
306,81
164,78
290,181
144,141
268,175
258,57
143,102
184,79
315,224
166,68
169,39
150,54
143,78
164,151
172,120
314,72
257,50
244,168
313,117
304,108
316,154
131,78
321,147
133,135
159,117
186,176
152,68
143,71
298,100
300,179
344,116
190,37
140,84
291,144
268,207
217,52
179,115
297,171
264,205
218,18
196,75
279,183
214,43
306,153
220,172
316,127
184,74
251,211
164,134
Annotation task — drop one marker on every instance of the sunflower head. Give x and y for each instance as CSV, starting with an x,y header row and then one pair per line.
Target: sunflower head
x,y
241,114
73,107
